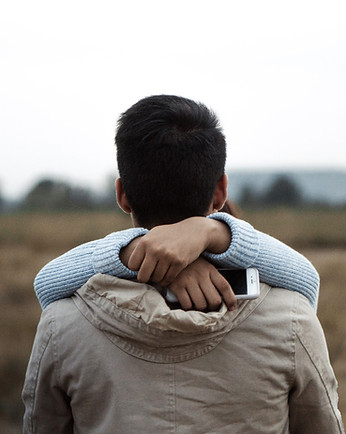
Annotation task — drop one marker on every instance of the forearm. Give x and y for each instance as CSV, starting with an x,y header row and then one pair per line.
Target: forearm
x,y
278,264
283,267
61,277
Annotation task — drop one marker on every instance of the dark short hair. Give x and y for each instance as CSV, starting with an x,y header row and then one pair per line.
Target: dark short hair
x,y
171,153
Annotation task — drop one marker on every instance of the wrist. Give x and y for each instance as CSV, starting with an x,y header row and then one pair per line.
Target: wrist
x,y
126,251
219,236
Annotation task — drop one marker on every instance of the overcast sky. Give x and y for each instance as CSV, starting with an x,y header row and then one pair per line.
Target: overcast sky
x,y
274,72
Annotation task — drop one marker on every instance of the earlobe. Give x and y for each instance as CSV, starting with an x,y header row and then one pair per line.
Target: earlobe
x,y
220,194
121,197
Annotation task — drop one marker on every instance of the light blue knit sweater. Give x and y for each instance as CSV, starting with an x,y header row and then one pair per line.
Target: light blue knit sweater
x,y
278,264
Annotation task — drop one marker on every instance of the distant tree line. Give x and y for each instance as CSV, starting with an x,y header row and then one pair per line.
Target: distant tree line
x,y
52,195
283,191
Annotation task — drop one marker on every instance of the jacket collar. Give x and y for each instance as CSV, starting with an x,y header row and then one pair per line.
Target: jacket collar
x,y
136,318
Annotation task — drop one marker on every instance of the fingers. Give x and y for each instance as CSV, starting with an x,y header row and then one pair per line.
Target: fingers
x,y
200,286
212,295
183,298
191,298
196,292
197,286
136,258
170,275
224,288
159,272
198,297
149,265
155,264
147,268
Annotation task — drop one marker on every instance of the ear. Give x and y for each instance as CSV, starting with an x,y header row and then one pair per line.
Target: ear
x,y
220,193
121,197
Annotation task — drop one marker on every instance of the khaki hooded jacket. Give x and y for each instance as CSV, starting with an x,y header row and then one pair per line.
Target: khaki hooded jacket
x,y
115,359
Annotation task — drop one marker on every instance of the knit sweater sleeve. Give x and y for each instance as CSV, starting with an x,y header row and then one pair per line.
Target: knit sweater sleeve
x,y
278,264
62,276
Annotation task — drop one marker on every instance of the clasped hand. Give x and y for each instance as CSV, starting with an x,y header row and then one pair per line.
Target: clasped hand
x,y
169,255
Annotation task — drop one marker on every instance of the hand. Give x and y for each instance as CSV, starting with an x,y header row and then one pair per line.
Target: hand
x,y
166,250
201,286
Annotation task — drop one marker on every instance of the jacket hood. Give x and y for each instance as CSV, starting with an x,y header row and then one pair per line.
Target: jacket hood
x,y
136,318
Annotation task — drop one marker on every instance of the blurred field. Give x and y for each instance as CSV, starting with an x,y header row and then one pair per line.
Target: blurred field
x,y
29,241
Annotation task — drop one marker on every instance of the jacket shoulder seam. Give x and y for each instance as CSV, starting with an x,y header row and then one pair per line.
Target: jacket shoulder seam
x,y
42,350
310,353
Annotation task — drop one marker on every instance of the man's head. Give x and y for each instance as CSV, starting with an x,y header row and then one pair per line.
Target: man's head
x,y
171,156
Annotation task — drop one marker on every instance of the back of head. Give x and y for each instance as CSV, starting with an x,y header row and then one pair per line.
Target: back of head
x,y
171,153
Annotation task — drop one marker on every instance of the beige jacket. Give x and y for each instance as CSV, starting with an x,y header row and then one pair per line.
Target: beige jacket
x,y
115,359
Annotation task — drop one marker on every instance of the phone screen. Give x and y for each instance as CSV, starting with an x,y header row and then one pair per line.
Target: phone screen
x,y
237,280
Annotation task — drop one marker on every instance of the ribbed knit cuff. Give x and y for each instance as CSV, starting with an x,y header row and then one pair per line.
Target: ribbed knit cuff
x,y
244,247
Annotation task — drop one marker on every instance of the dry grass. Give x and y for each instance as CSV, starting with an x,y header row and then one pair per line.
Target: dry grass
x,y
29,241
302,227
59,231
332,309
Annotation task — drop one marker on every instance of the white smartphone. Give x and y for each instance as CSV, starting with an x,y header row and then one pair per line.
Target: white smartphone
x,y
245,282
